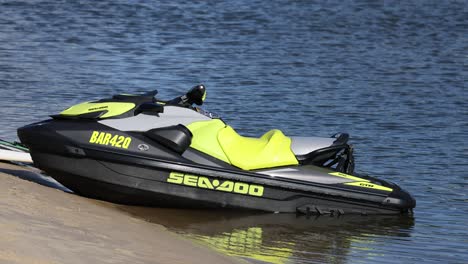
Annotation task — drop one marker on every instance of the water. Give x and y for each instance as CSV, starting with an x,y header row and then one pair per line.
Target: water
x,y
392,74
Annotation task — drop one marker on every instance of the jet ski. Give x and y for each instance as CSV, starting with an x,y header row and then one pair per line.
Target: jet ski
x,y
140,150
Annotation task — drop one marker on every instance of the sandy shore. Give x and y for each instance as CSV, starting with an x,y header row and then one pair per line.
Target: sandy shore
x,y
40,224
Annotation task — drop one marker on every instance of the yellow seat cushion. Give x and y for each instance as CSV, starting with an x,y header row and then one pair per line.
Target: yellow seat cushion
x,y
273,149
205,138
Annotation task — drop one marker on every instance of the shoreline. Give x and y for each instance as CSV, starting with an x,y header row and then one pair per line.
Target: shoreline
x,y
42,224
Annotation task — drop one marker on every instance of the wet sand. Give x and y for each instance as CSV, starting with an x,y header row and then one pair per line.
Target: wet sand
x,y
40,224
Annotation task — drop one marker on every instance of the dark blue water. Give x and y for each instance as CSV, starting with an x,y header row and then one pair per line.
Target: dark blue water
x,y
393,74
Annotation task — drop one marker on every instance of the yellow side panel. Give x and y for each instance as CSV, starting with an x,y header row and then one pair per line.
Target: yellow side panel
x,y
205,138
273,149
112,108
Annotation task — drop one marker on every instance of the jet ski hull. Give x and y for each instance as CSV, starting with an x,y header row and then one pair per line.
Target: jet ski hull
x,y
148,185
126,160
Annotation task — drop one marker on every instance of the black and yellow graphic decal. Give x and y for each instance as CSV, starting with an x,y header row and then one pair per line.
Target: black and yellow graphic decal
x,y
224,186
110,109
108,139
359,182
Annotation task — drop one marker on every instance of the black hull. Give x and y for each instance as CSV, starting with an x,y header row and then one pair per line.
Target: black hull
x,y
152,173
145,183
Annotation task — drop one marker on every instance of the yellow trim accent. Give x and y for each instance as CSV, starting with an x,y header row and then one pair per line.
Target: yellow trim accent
x,y
347,176
204,96
205,138
273,149
367,184
112,108
359,182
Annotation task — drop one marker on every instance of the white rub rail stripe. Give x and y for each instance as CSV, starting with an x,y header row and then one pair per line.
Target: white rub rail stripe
x,y
15,156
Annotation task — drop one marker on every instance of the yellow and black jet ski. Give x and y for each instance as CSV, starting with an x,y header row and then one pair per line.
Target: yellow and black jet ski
x,y
136,149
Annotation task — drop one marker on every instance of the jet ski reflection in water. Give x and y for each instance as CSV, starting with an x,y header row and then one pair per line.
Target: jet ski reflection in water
x,y
282,238
136,149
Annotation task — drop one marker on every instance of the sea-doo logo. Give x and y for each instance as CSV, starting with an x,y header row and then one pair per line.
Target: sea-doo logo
x,y
206,183
103,138
97,108
143,147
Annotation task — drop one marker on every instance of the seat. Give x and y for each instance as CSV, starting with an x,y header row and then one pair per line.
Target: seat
x,y
273,149
205,137
220,141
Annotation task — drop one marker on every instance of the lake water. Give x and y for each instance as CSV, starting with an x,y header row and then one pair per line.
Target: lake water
x,y
393,74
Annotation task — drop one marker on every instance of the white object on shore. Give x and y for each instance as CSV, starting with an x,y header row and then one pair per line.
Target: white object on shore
x,y
12,155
